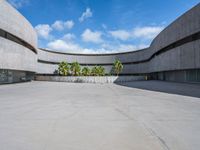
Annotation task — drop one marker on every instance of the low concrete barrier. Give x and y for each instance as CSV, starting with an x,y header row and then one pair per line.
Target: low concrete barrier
x,y
89,79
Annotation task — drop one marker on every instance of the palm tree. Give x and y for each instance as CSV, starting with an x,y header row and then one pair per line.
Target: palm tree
x,y
75,68
63,68
94,71
117,67
101,71
86,71
98,71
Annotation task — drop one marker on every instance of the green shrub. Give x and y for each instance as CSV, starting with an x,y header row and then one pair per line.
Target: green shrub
x,y
94,71
75,68
85,71
63,68
101,71
98,71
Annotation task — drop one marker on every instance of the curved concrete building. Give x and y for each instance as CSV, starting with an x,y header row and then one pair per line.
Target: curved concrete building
x,y
18,46
174,55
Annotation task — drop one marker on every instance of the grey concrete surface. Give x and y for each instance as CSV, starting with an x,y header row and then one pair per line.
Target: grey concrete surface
x,y
185,89
16,57
76,116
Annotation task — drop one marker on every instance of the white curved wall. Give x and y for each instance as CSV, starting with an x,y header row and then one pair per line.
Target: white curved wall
x,y
13,22
16,57
93,58
13,55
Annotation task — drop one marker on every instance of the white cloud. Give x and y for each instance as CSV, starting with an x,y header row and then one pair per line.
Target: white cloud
x,y
120,34
129,47
18,3
69,37
71,47
147,32
62,45
97,51
68,46
90,36
61,25
69,24
122,47
85,15
43,30
58,25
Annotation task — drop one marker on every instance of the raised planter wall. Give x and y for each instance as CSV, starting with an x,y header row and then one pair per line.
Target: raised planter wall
x,y
90,79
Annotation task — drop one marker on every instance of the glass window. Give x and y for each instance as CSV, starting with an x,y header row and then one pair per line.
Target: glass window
x,y
3,76
2,33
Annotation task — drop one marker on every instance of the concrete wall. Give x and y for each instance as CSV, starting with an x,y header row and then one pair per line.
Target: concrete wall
x,y
13,22
14,53
14,56
185,25
90,79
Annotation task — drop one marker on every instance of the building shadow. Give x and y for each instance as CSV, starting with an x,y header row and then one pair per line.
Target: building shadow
x,y
185,89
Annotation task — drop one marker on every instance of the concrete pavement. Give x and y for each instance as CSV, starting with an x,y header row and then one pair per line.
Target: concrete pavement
x,y
76,116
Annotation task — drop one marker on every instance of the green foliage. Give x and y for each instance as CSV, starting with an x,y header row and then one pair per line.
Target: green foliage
x,y
86,71
117,67
94,71
98,71
63,68
101,71
75,68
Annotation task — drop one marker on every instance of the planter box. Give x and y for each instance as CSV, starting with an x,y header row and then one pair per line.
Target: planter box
x,y
89,79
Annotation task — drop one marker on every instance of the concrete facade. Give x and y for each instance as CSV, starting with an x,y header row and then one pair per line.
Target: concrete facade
x,y
13,22
18,45
176,48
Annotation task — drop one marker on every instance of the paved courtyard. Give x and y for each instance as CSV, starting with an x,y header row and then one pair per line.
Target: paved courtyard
x,y
148,115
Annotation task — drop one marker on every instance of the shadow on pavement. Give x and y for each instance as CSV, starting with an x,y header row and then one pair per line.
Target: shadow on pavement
x,y
185,89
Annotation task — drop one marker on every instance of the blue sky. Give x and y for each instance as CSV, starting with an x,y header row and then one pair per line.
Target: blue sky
x,y
99,26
